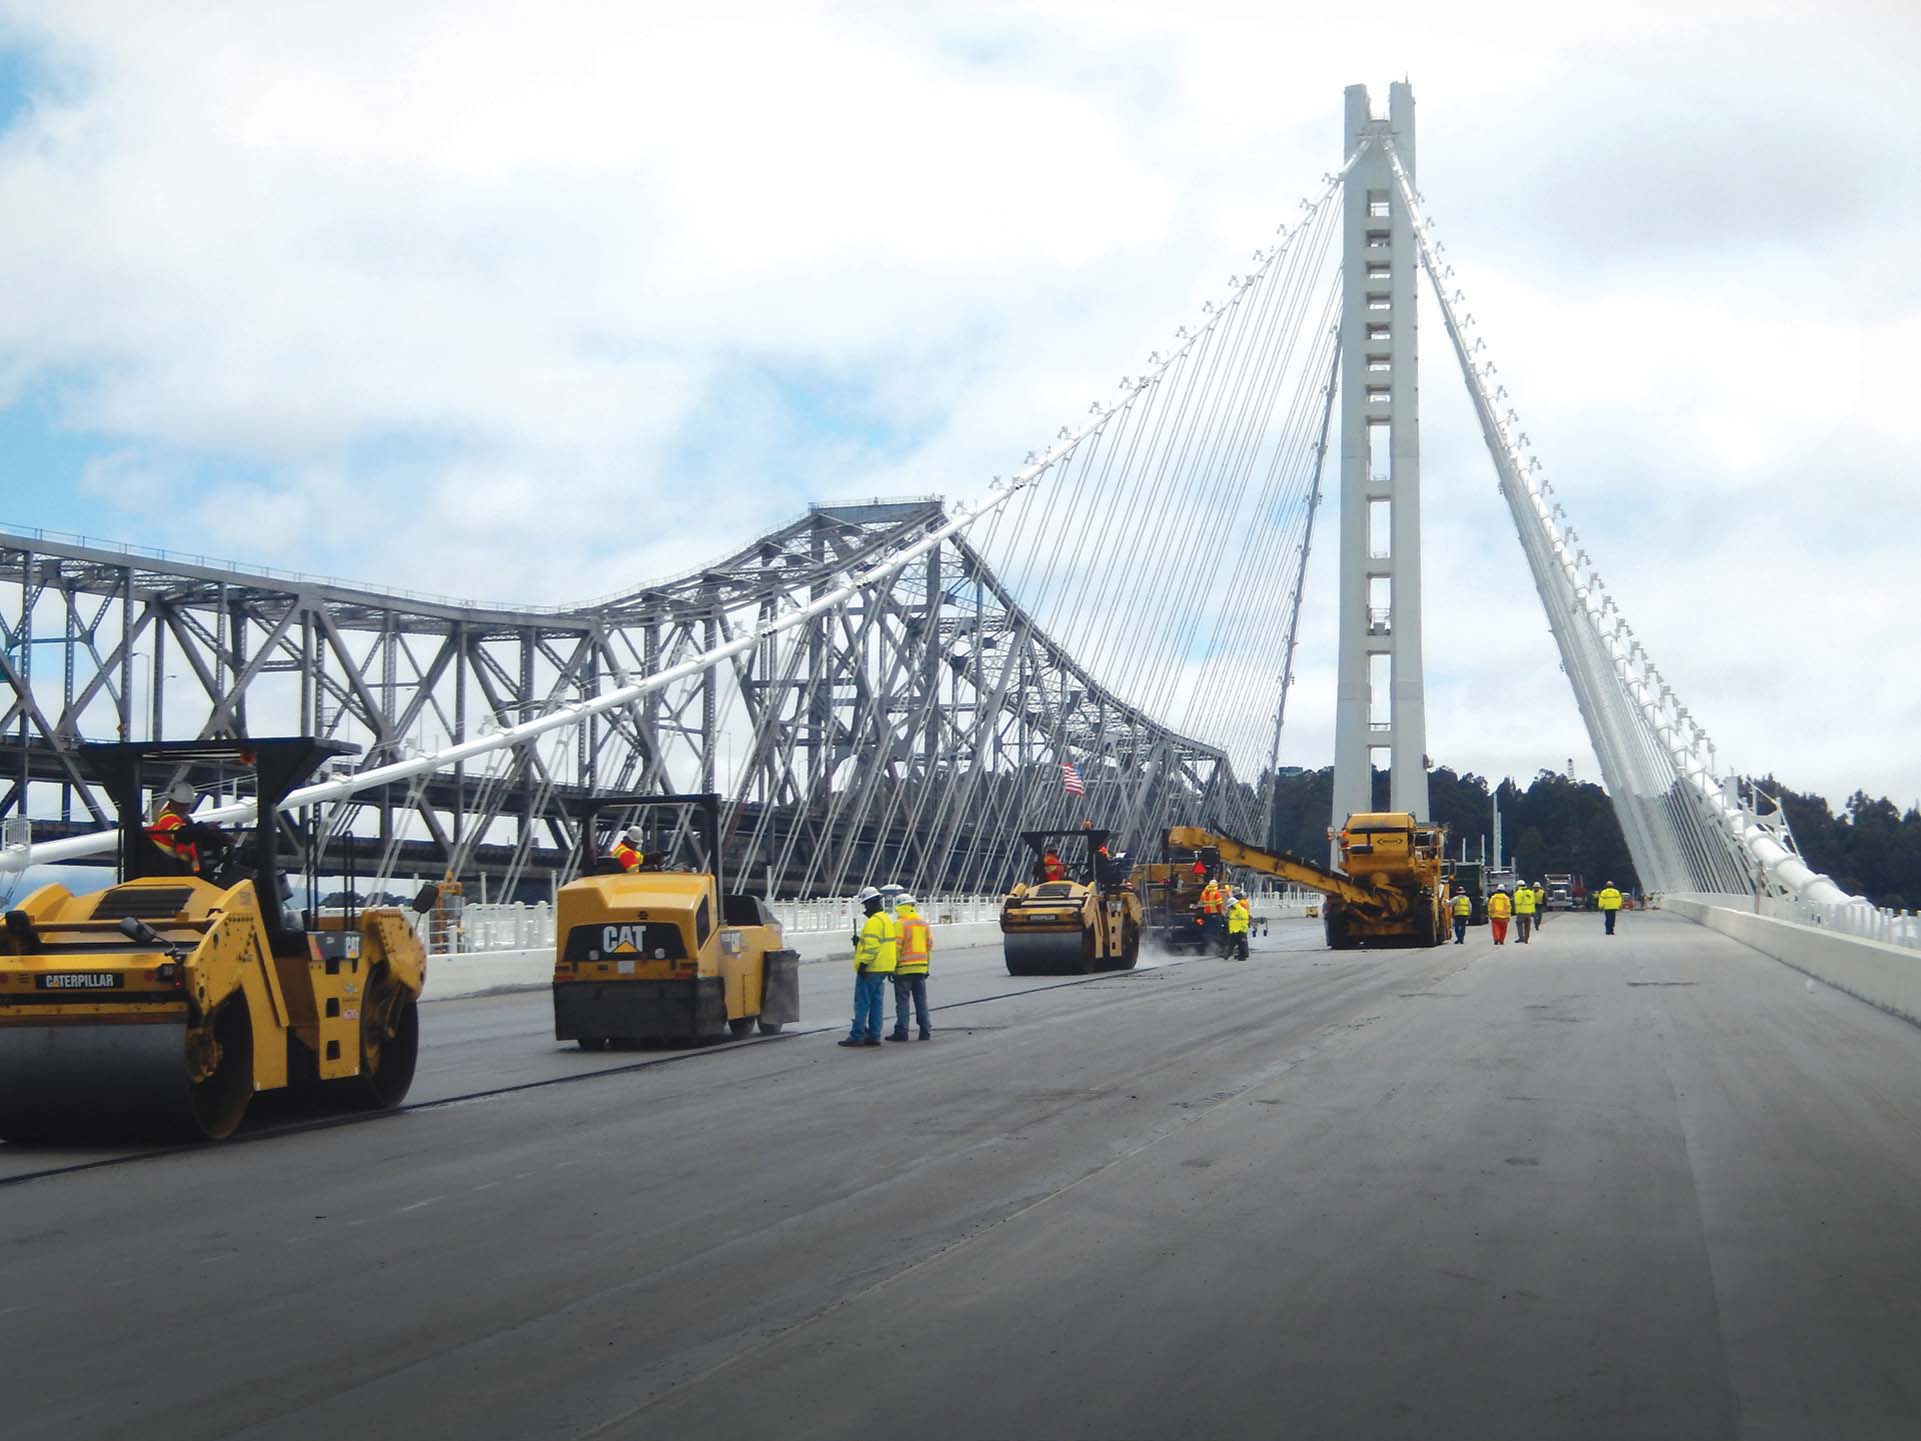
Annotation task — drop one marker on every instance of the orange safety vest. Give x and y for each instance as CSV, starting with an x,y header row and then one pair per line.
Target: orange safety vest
x,y
164,832
1211,899
1052,868
916,947
627,857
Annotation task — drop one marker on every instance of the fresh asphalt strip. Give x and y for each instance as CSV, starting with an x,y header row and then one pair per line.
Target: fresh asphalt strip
x,y
278,1130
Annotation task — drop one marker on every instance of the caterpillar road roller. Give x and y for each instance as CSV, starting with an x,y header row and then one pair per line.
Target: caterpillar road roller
x,y
1058,925
655,953
159,1006
1388,891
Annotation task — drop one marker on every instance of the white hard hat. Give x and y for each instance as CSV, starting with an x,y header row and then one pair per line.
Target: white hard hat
x,y
866,894
905,899
635,836
180,793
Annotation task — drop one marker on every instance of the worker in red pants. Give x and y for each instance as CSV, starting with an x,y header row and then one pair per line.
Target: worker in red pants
x,y
1499,907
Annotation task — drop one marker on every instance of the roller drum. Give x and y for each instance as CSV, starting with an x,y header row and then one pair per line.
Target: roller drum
x,y
1049,953
119,1082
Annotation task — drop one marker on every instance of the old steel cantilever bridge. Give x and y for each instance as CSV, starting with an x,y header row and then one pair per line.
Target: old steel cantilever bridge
x,y
1652,1184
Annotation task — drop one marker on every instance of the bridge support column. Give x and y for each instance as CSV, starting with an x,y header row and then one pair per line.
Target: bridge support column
x,y
1380,718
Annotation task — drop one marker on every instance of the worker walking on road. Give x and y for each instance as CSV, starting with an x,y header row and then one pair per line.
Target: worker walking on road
x,y
1238,917
915,956
876,953
1463,907
1499,907
1523,910
627,852
1609,902
1540,907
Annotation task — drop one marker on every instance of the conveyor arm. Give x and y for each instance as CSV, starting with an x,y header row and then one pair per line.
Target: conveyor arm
x,y
1285,866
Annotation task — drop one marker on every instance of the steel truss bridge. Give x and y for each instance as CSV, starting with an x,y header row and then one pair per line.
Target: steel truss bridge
x,y
873,697
914,725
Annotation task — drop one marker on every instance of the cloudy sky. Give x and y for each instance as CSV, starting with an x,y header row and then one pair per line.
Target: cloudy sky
x,y
532,301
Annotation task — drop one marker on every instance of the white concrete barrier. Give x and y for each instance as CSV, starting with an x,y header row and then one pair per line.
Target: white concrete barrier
x,y
483,972
1882,975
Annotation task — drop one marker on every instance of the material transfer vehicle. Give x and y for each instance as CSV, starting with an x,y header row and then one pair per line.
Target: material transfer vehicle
x,y
1386,893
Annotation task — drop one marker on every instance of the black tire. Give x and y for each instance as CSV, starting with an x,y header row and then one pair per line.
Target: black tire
x,y
771,1028
740,1027
594,1043
1333,924
1130,946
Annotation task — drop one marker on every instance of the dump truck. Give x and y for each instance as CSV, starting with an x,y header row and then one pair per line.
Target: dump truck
x,y
161,1005
662,953
1388,891
1086,919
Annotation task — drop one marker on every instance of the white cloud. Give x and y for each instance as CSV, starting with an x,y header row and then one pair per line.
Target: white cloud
x,y
529,302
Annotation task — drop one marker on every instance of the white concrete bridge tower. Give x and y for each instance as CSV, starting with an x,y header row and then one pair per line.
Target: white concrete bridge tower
x,y
1380,717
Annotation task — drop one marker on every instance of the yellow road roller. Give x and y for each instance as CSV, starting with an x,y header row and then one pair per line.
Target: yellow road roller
x,y
159,1006
645,952
1077,914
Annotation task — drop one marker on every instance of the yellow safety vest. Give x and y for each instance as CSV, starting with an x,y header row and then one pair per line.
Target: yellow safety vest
x,y
1524,901
1540,898
916,945
1609,899
1464,904
1499,906
879,949
1237,918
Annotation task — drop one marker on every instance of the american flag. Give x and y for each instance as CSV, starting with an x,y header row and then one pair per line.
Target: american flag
x,y
1071,780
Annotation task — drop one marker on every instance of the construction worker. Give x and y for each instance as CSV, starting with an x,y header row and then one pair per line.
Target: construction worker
x,y
627,852
1523,909
1051,867
170,829
876,953
1500,906
1609,901
1238,917
1213,911
1540,906
910,969
1463,910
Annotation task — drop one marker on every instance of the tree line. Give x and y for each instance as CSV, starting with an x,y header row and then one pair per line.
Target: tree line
x,y
1558,824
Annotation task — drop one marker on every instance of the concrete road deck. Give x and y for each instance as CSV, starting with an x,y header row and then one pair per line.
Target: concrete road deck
x,y
1653,1186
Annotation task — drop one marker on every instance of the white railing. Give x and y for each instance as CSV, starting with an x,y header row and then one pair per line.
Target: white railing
x,y
501,926
1848,918
841,914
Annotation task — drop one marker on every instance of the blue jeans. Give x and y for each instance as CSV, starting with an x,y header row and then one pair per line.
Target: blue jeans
x,y
912,988
870,1001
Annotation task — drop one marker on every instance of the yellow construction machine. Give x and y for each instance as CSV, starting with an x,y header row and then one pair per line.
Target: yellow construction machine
x,y
1071,919
159,1006
1388,891
655,954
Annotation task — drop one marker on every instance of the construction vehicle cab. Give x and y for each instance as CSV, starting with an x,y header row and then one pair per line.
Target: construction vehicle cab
x,y
160,1005
1089,920
662,953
